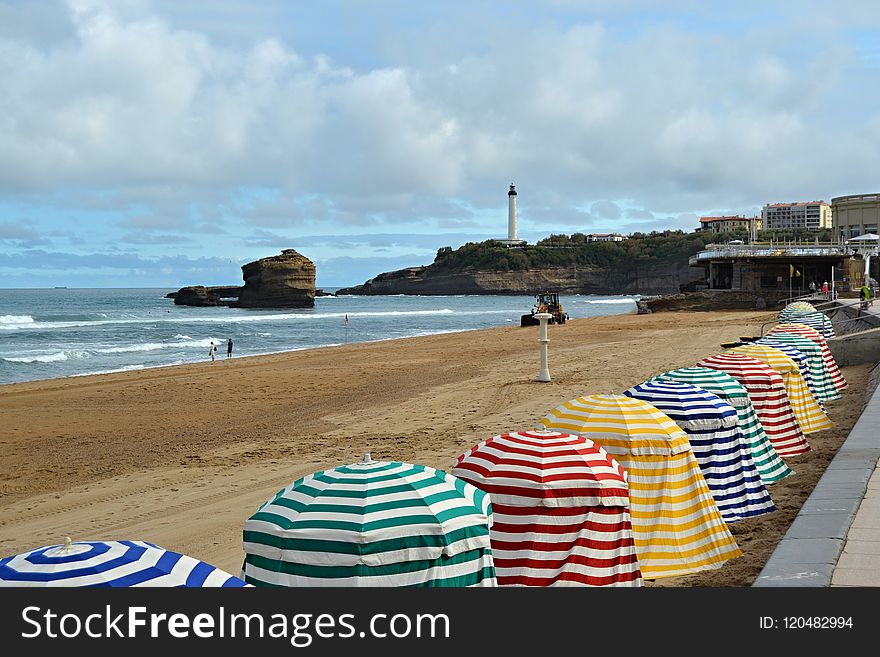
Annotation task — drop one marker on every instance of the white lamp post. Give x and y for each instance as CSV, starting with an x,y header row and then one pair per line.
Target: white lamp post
x,y
543,318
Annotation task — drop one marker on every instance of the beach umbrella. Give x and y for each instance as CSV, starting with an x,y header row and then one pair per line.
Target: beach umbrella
x,y
814,335
677,527
800,305
809,414
712,428
560,507
373,523
112,564
820,381
764,455
816,320
800,359
766,391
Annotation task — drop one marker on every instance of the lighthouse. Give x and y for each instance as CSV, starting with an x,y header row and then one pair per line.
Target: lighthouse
x,y
512,239
511,213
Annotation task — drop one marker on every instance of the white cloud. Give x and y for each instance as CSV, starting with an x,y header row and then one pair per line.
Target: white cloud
x,y
131,108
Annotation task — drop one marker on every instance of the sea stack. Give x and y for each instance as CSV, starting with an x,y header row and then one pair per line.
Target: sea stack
x,y
282,281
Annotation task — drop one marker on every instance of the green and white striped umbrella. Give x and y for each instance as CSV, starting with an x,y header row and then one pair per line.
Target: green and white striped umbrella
x,y
372,523
814,319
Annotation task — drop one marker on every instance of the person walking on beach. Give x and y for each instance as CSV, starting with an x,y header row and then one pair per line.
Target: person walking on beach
x,y
229,348
212,352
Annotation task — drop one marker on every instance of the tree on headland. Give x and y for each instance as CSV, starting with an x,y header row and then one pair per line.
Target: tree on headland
x,y
572,250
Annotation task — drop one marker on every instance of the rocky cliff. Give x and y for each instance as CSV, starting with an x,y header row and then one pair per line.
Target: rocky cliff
x,y
657,278
282,281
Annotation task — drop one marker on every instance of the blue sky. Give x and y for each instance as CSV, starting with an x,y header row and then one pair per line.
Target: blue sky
x,y
161,143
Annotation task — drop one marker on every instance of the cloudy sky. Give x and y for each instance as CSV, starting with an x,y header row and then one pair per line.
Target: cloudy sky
x,y
162,143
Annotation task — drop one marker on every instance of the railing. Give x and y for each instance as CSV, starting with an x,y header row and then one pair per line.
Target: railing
x,y
752,251
837,323
802,297
713,251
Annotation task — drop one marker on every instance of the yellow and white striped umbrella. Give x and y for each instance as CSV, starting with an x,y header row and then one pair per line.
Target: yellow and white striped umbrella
x,y
814,335
809,414
677,526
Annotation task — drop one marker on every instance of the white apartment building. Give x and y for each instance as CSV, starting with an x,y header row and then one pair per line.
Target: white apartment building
x,y
813,215
605,237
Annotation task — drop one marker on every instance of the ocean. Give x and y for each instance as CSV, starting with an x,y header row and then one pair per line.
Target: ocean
x,y
53,333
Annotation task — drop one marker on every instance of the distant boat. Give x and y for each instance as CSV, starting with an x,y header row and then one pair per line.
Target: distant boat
x,y
60,287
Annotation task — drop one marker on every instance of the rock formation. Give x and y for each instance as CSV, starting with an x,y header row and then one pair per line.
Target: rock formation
x,y
717,300
201,295
656,278
282,281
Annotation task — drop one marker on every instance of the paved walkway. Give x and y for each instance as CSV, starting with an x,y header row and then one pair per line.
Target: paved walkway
x,y
835,538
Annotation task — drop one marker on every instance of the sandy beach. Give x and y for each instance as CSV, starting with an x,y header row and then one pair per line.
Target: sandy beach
x,y
181,456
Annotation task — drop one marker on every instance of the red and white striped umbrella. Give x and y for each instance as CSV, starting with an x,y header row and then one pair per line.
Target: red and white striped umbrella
x,y
767,392
810,415
808,331
561,510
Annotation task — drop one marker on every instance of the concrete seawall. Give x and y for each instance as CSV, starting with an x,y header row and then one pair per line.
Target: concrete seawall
x,y
858,335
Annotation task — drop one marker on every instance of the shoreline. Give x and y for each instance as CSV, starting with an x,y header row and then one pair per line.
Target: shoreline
x,y
181,456
53,353
222,357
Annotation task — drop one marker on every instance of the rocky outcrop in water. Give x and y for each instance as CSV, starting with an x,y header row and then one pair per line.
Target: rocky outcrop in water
x,y
282,281
201,295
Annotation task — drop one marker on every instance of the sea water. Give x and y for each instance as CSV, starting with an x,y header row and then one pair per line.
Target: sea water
x,y
52,333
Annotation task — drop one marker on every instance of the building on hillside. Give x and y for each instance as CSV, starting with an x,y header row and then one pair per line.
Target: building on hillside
x,y
855,215
728,224
814,215
605,237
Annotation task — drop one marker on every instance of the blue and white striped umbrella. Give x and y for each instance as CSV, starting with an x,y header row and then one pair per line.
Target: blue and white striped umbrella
x,y
110,563
712,427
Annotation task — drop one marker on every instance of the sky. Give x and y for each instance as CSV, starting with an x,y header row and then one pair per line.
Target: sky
x,y
158,143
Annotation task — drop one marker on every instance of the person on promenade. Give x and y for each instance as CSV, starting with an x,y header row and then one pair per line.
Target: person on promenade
x,y
229,348
212,352
825,289
813,288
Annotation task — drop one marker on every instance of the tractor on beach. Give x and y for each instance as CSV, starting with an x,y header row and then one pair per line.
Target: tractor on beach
x,y
548,302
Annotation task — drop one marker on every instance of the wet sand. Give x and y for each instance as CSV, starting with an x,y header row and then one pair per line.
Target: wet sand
x,y
181,456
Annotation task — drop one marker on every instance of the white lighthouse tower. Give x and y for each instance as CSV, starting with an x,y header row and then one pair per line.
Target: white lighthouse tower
x,y
512,239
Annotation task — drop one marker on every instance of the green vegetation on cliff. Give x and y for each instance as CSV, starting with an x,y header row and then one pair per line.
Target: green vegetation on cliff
x,y
573,250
